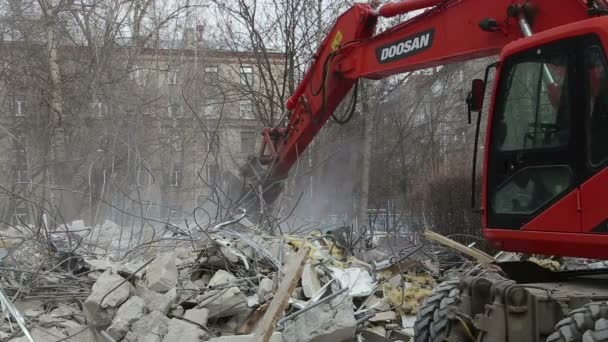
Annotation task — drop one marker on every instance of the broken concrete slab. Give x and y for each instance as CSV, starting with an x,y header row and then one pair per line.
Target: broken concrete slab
x,y
276,337
80,334
266,285
108,292
221,277
384,316
42,334
329,322
177,312
310,280
182,331
155,300
357,280
224,303
151,328
126,315
198,316
161,274
30,308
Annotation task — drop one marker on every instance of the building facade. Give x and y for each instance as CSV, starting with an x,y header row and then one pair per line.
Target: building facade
x,y
142,133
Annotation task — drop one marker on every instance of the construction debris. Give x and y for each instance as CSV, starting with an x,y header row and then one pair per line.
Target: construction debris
x,y
231,283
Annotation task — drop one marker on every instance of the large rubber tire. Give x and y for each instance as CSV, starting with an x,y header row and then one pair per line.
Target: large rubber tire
x,y
599,333
431,321
589,321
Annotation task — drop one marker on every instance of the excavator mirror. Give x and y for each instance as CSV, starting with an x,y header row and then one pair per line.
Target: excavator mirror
x,y
475,97
478,88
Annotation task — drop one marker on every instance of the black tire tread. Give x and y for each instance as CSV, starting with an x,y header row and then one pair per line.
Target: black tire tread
x,y
444,293
440,323
580,324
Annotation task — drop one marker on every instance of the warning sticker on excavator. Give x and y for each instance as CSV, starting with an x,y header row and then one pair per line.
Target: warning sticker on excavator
x,y
335,44
405,47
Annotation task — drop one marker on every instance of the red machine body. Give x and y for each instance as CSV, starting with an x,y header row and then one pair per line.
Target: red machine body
x,y
458,30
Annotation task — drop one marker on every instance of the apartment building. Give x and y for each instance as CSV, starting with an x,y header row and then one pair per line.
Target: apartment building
x,y
151,133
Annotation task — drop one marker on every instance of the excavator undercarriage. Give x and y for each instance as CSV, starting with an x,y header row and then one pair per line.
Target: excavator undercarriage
x,y
490,307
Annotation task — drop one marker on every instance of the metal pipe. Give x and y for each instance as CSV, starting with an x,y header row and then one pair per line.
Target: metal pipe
x,y
526,30
392,9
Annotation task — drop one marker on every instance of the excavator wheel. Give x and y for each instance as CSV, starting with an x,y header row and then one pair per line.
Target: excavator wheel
x,y
599,333
432,323
588,324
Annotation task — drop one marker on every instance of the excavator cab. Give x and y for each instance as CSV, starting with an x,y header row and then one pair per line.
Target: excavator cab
x,y
547,144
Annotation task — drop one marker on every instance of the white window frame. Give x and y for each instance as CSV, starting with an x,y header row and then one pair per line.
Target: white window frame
x,y
246,109
210,70
176,177
177,143
140,174
19,215
246,75
99,109
212,109
138,75
19,105
173,75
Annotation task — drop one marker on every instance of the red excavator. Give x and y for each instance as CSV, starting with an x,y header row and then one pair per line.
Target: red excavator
x,y
545,175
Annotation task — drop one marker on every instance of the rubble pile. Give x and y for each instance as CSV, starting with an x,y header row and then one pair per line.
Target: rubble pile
x,y
227,285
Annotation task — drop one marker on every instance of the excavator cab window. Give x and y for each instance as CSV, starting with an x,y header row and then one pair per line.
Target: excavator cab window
x,y
531,158
597,123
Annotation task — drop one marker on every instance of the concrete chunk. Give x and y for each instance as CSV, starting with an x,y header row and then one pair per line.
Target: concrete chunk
x,y
161,274
183,332
151,328
100,313
221,277
329,322
276,337
224,303
199,316
310,281
265,287
155,300
127,314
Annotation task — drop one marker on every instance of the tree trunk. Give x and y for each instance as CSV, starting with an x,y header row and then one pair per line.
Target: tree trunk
x,y
56,117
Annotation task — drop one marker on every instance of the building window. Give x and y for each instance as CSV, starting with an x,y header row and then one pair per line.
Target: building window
x,y
144,177
214,143
173,75
177,143
19,105
174,109
248,140
210,74
98,108
246,109
212,109
23,176
213,174
21,217
21,144
139,75
176,176
247,76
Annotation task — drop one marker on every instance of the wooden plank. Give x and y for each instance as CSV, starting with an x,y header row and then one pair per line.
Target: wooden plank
x,y
294,267
472,252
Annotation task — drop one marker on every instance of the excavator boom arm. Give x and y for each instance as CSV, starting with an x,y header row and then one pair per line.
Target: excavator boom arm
x,y
448,31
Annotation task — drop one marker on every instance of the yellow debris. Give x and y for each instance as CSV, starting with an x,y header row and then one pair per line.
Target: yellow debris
x,y
546,263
